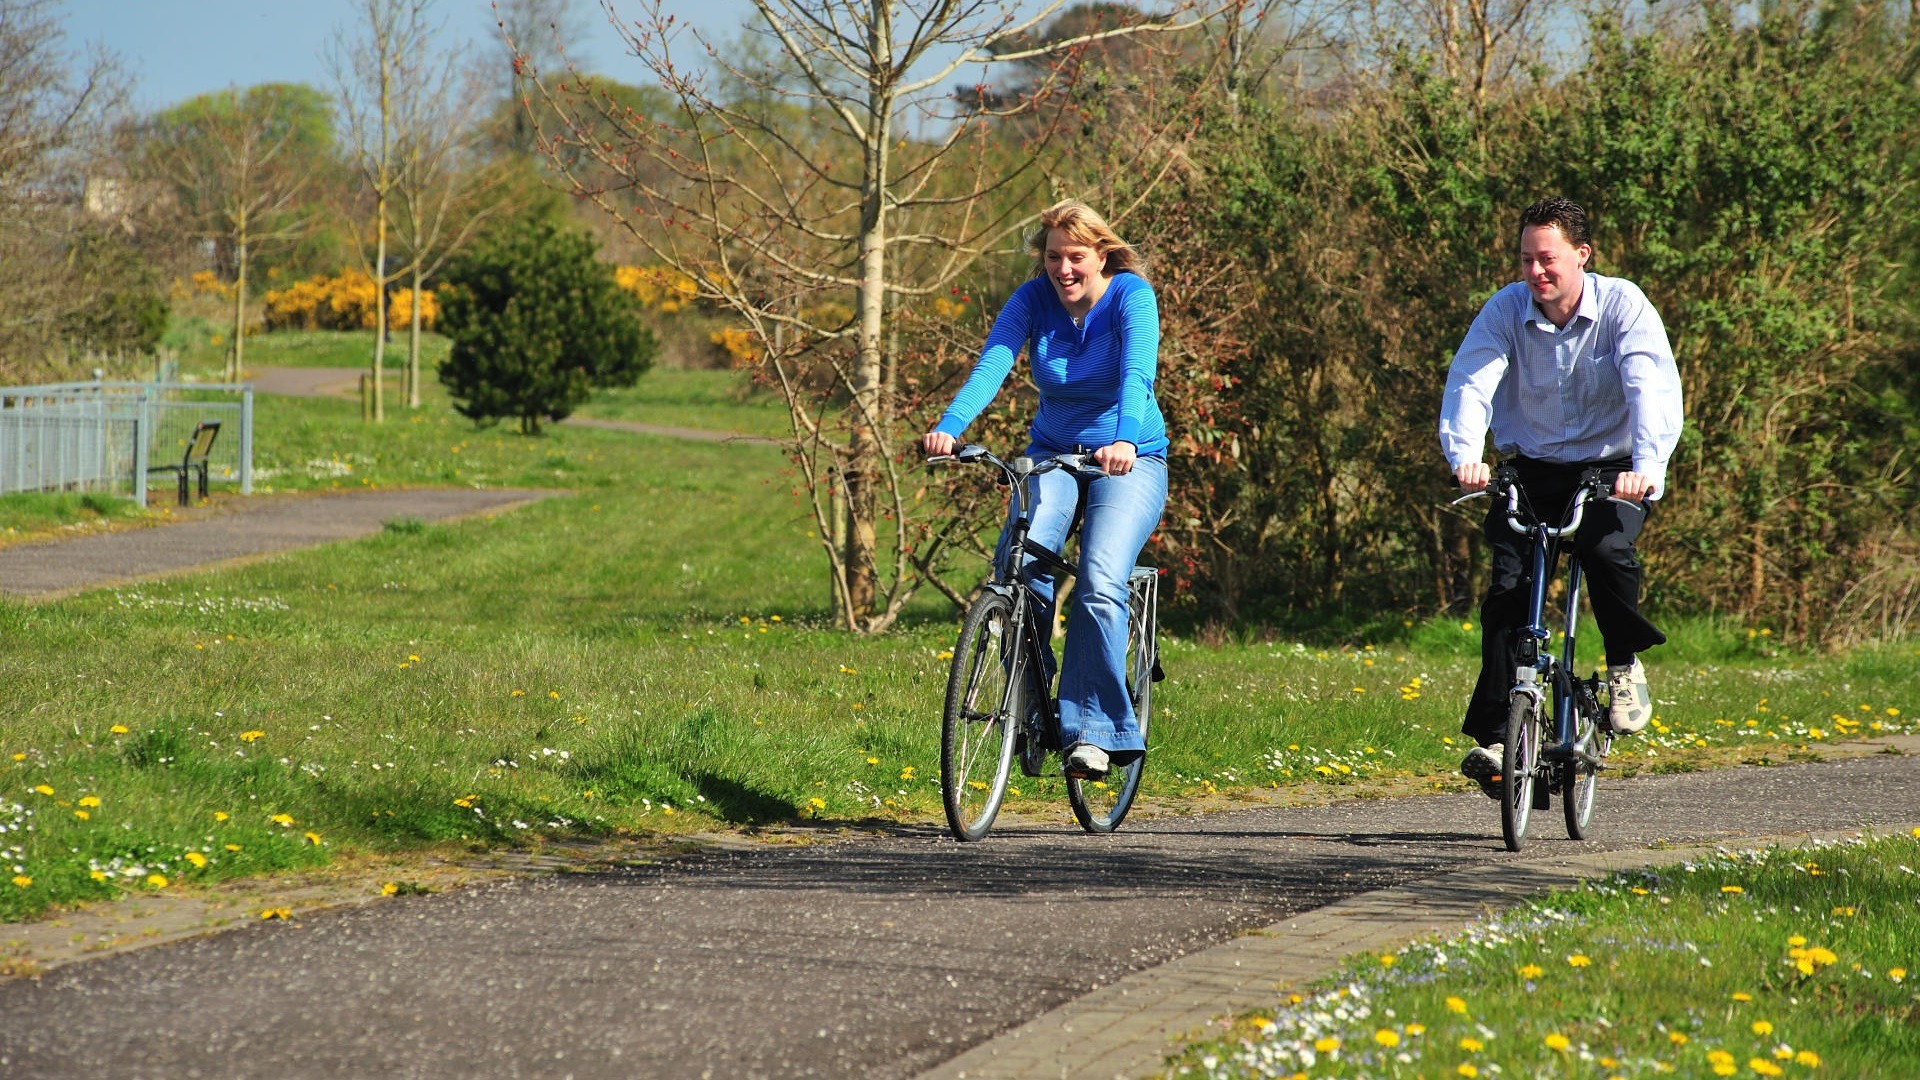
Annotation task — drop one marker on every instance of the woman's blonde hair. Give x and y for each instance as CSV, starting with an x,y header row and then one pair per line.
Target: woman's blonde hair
x,y
1082,226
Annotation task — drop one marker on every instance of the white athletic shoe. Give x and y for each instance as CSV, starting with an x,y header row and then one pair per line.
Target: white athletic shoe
x,y
1482,765
1630,706
1087,762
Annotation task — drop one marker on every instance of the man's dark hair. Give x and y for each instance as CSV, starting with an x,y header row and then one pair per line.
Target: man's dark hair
x,y
1564,214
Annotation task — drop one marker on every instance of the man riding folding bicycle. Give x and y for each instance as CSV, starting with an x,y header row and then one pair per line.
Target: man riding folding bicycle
x,y
1570,370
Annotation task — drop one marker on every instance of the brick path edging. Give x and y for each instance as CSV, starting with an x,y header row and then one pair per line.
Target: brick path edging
x,y
1128,1028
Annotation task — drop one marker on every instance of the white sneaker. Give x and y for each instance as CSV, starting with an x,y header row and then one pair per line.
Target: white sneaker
x,y
1087,762
1482,766
1629,706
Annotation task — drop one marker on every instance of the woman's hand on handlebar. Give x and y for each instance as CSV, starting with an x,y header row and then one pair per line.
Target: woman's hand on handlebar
x,y
1632,486
937,443
1116,459
1473,477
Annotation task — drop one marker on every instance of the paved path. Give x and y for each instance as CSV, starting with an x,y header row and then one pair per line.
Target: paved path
x,y
239,529
866,956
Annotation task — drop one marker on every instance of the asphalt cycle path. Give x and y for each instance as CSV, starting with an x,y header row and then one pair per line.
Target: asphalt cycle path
x,y
851,955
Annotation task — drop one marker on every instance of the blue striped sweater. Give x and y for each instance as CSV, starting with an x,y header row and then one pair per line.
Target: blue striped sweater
x,y
1095,383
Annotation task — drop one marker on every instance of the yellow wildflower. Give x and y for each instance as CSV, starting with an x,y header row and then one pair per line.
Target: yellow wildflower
x,y
1387,1037
198,860
1557,1041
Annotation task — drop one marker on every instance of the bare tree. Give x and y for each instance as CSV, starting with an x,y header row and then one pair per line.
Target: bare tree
x,y
443,191
1478,44
234,162
812,192
50,104
371,67
533,35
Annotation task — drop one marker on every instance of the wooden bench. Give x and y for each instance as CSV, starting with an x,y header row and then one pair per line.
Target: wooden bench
x,y
194,460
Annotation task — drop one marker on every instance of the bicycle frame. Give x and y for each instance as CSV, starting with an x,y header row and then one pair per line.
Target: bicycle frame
x,y
1536,669
1010,579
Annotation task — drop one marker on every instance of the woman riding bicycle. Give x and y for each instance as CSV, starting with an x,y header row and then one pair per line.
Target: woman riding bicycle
x,y
1090,327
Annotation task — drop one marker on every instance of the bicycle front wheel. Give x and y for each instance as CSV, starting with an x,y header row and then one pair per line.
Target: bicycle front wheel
x,y
1101,805
977,731
1517,762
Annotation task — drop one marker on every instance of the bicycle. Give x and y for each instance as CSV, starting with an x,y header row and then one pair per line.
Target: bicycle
x,y
999,705
1564,751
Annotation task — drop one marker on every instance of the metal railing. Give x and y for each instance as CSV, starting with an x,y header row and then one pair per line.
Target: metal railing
x,y
104,436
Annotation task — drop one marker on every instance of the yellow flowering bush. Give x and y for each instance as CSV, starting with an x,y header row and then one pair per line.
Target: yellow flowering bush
x,y
657,287
345,301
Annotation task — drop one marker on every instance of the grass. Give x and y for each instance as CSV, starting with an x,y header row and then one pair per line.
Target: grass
x,y
653,653
1794,962
25,515
203,343
707,399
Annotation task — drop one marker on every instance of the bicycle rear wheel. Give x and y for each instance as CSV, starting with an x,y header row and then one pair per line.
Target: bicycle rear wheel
x,y
977,731
1101,805
1517,762
1577,789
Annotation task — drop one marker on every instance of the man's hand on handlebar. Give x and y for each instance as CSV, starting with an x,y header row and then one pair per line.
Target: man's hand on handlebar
x,y
1473,477
1632,486
937,443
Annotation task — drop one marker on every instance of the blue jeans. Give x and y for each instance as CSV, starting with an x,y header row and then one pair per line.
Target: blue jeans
x,y
1121,513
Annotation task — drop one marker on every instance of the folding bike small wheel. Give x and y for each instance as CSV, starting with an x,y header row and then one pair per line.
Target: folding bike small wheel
x,y
1519,760
982,719
1577,778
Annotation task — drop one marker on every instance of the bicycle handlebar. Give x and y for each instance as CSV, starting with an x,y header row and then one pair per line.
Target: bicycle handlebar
x,y
1022,466
1506,481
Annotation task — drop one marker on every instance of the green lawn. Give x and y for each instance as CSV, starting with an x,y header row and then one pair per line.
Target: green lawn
x,y
1783,962
653,652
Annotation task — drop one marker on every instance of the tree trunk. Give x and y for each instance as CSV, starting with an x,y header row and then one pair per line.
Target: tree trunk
x,y
868,421
236,371
413,345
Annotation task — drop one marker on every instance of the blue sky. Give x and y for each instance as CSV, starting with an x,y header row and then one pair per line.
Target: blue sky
x,y
175,49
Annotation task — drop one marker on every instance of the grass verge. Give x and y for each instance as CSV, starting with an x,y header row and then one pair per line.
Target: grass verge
x,y
1778,962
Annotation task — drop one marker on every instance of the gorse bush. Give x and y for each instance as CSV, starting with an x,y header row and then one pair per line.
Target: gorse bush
x,y
537,322
346,301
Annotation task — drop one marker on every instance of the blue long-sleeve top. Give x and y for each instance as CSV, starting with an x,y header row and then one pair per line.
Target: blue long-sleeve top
x,y
1095,381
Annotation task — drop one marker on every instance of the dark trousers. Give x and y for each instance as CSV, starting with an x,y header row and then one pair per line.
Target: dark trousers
x,y
1612,571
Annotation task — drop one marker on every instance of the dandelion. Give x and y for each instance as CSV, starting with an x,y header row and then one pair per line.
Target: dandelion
x,y
1579,960
1762,1027
1387,959
1796,941
873,761
118,729
198,860
389,888
276,913
220,815
158,881
21,881
1326,1044
1455,1004
1731,889
1764,1067
313,838
1557,1041
233,847
82,815
1808,1058
1472,1045
1897,974
1467,1069
906,773
43,789
1387,1037
518,693
1742,995
817,803
282,820
1677,1038
250,736
554,694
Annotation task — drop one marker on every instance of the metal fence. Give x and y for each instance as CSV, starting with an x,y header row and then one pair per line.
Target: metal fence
x,y
105,436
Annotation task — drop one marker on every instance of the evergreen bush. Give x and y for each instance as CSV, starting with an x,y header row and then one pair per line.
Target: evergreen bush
x,y
537,323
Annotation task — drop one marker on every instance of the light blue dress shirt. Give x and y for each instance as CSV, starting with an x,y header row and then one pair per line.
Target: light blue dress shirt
x,y
1603,387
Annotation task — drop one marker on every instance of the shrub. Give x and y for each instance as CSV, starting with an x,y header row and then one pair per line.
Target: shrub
x,y
345,301
537,322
